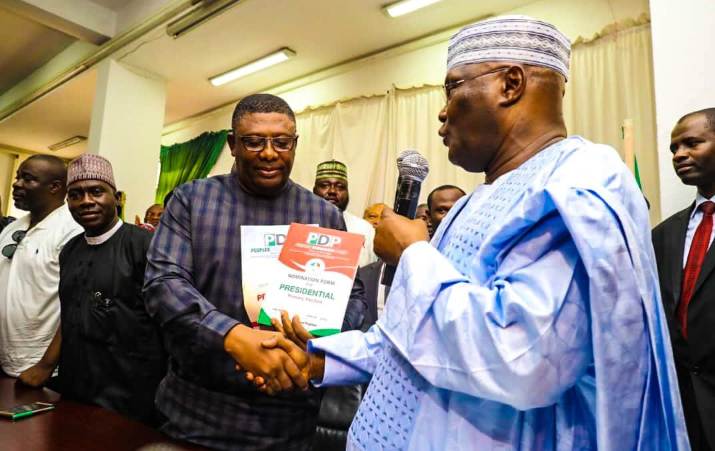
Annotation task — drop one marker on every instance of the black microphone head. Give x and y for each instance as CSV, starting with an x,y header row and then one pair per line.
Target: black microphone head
x,y
404,154
414,167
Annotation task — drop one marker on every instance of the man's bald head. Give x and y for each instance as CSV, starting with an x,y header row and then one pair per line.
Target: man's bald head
x,y
54,168
40,184
51,169
707,113
692,144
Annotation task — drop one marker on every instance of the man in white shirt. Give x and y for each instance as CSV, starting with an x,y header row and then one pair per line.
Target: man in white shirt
x,y
29,265
686,263
331,183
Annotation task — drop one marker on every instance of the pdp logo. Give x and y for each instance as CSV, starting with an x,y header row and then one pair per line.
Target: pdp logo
x,y
315,265
274,239
319,239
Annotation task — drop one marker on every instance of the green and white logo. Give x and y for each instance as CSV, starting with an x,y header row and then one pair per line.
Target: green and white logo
x,y
319,239
274,239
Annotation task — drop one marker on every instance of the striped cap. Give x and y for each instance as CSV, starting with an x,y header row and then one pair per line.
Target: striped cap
x,y
332,169
519,39
91,167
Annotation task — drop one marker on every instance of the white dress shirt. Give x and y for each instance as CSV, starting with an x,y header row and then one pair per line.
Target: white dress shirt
x,y
364,228
695,218
380,292
29,283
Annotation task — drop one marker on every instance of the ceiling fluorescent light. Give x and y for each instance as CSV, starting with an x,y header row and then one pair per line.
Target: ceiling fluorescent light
x,y
407,6
207,10
67,142
263,63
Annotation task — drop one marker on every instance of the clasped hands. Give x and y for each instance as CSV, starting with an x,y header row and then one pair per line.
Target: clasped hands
x,y
279,361
275,361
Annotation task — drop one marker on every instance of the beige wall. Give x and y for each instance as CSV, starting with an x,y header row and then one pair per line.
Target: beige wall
x,y
126,123
682,32
7,170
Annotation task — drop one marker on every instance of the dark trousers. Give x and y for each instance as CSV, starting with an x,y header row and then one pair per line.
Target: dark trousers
x,y
694,422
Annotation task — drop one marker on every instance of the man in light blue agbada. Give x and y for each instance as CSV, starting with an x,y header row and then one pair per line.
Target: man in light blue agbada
x,y
532,320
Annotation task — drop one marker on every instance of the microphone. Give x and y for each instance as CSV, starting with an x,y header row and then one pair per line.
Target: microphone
x,y
400,158
404,154
413,171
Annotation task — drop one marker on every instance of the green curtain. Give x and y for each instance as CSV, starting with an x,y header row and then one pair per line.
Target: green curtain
x,y
183,162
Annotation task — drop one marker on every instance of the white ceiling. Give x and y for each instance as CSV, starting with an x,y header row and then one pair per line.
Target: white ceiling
x,y
26,46
322,32
114,5
61,115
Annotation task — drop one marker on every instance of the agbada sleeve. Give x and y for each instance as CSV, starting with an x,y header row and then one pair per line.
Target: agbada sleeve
x,y
350,357
520,338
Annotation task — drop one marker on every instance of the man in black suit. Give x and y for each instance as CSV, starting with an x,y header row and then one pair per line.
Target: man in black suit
x,y
687,280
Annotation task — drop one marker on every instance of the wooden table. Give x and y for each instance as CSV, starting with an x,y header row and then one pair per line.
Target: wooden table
x,y
74,426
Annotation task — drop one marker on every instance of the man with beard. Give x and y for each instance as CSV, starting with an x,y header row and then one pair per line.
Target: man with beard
x,y
29,266
331,183
108,349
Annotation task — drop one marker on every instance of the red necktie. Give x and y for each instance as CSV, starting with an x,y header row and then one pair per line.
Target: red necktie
x,y
698,249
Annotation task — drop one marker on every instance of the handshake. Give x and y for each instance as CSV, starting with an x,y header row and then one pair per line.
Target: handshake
x,y
275,361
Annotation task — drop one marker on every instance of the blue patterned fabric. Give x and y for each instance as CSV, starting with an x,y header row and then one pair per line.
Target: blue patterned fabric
x,y
390,406
532,322
193,290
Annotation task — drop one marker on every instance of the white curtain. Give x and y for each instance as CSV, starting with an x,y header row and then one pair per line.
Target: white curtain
x,y
611,80
367,134
354,132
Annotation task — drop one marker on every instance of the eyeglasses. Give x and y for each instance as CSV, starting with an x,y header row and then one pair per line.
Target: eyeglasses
x,y
451,86
9,250
258,143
